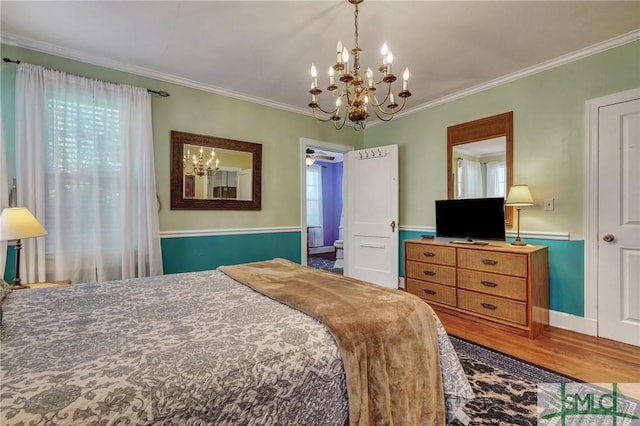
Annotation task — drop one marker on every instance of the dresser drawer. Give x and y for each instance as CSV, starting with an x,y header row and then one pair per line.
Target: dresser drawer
x,y
431,254
490,261
429,272
432,292
494,284
495,307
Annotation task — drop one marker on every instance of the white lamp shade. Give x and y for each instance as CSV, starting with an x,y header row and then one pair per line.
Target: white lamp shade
x,y
519,195
17,223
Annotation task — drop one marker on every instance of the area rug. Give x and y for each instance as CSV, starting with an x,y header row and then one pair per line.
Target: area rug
x,y
324,264
505,387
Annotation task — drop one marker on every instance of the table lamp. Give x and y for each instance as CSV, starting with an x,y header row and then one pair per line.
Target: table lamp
x,y
519,196
17,223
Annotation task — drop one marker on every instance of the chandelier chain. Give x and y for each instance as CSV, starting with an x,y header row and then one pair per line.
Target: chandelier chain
x,y
356,25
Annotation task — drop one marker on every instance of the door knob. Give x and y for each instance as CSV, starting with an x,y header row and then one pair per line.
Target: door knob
x,y
608,237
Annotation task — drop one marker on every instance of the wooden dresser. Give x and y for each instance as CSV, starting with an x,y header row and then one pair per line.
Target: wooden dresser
x,y
500,284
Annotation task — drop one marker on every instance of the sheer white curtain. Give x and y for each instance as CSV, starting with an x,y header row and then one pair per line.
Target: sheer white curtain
x,y
4,192
85,169
496,179
314,206
469,179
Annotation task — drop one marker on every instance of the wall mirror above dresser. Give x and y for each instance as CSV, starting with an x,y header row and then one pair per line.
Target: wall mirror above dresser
x,y
211,173
480,159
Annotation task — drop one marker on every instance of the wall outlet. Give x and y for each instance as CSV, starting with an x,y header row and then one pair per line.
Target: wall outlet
x,y
548,204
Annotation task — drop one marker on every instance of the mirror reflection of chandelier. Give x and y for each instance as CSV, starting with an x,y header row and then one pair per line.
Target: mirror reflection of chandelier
x,y
197,164
358,91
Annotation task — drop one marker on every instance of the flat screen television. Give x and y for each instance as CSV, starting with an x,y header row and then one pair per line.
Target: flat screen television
x,y
471,219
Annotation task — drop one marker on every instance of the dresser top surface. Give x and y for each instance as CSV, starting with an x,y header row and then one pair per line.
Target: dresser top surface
x,y
490,245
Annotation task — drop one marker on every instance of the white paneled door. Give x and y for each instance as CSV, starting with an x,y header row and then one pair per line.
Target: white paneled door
x,y
619,222
371,215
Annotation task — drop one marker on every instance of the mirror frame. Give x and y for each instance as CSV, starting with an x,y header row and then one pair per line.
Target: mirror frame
x,y
179,202
478,130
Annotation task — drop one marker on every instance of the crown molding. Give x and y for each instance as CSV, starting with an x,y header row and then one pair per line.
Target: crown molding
x,y
544,66
145,72
141,71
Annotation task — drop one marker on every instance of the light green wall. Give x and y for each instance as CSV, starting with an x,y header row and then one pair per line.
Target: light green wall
x,y
196,111
549,138
549,155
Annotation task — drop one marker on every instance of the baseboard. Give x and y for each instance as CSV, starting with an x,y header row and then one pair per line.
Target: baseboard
x,y
325,249
575,323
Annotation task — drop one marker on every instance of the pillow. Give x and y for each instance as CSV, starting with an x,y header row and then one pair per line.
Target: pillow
x,y
4,289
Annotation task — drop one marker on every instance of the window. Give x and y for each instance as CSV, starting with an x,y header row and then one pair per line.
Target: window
x,y
314,206
83,166
496,179
84,151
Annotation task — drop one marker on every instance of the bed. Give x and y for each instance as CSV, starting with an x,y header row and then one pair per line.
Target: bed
x,y
193,348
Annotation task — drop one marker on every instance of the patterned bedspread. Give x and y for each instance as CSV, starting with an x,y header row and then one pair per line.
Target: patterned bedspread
x,y
195,348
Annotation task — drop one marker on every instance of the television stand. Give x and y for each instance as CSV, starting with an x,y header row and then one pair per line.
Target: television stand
x,y
499,285
474,243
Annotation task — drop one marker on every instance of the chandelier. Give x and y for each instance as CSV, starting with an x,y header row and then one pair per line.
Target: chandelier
x,y
198,165
358,90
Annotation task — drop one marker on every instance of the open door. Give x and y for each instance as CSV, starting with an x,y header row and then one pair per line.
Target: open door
x,y
371,215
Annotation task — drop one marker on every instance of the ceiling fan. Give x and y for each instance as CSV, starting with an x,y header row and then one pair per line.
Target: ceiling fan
x,y
312,156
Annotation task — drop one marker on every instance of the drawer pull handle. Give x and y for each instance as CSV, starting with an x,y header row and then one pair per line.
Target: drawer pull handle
x,y
431,292
429,254
489,262
488,284
489,306
429,273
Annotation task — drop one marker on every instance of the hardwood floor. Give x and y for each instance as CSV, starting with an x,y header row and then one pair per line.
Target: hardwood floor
x,y
587,358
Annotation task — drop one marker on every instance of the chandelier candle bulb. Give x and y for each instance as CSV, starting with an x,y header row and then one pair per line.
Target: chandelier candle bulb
x,y
405,79
345,59
384,51
389,62
314,76
339,54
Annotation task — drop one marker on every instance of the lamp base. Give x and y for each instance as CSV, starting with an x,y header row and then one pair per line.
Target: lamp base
x,y
519,243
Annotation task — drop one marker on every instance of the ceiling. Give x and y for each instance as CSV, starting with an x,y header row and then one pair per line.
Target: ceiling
x,y
262,51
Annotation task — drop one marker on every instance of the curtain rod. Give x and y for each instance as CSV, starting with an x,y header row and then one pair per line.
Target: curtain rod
x,y
160,93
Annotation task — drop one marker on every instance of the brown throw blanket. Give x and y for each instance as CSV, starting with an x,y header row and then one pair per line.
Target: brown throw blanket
x,y
387,339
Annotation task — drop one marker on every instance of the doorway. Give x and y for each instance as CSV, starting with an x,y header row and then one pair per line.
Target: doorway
x,y
321,186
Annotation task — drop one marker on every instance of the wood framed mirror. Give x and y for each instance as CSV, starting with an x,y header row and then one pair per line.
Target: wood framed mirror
x,y
211,173
480,159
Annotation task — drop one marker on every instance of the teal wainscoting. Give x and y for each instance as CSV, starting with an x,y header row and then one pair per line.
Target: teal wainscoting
x,y
187,254
199,253
566,271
